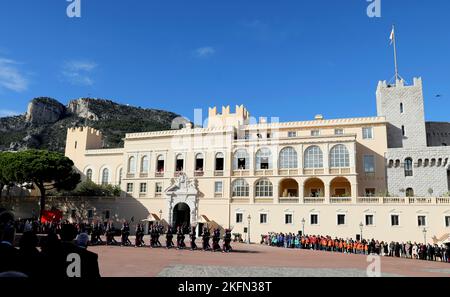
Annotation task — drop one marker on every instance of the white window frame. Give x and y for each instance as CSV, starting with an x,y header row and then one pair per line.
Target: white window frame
x,y
337,219
244,189
315,132
373,219
339,156
425,218
365,133
267,218
140,188
318,218
390,220
292,134
127,188
338,131
221,187
313,157
364,164
288,158
292,218
236,215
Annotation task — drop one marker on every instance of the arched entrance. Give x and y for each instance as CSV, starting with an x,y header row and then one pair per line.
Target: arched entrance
x,y
314,187
181,215
340,187
288,188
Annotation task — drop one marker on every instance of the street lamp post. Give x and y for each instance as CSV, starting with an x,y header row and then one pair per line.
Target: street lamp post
x,y
361,226
248,229
303,226
424,236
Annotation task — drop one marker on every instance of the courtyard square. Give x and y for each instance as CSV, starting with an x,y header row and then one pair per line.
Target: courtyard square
x,y
251,260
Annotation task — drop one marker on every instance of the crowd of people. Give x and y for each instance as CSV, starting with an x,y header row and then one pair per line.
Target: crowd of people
x,y
431,252
49,256
43,248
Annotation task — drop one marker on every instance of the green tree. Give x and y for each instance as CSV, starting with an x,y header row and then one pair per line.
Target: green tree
x,y
45,170
4,178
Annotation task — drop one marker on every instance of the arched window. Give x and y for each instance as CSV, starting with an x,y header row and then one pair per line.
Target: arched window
x,y
263,188
160,164
313,157
288,158
409,192
391,163
241,160
132,165
339,156
401,107
419,163
105,176
240,188
144,164
219,162
433,162
408,167
179,166
199,162
120,176
264,159
89,174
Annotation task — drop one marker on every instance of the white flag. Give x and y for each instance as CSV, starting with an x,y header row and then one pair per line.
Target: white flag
x,y
392,35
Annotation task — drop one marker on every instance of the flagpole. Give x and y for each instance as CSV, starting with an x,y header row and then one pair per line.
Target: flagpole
x,y
395,55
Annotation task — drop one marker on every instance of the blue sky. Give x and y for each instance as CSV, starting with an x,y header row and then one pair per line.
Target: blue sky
x,y
290,59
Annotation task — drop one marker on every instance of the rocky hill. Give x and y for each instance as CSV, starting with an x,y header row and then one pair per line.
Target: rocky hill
x,y
45,123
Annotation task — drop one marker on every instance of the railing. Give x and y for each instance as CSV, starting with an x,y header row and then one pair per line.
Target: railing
x,y
218,173
242,172
199,173
368,200
340,200
288,200
318,200
143,175
263,172
443,200
288,172
159,174
394,200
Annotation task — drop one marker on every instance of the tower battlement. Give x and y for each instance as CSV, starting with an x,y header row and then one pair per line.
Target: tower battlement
x,y
226,117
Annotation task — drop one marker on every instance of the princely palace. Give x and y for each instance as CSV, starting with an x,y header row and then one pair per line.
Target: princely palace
x,y
387,176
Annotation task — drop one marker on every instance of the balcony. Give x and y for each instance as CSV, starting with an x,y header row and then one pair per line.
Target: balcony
x,y
243,172
340,171
316,171
218,173
340,200
264,172
288,172
144,175
199,173
312,200
288,200
159,174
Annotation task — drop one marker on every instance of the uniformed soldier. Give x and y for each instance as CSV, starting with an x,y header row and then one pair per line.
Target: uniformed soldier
x,y
139,236
169,237
216,240
205,239
227,241
125,231
193,237
180,238
110,232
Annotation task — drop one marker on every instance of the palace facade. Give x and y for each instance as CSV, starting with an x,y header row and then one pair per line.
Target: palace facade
x,y
371,176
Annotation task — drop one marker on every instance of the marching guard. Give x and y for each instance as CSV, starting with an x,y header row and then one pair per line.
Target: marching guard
x,y
216,240
139,241
180,239
169,238
205,239
110,231
227,241
193,237
125,230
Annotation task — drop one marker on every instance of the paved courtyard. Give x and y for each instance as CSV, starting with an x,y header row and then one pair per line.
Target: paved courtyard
x,y
252,260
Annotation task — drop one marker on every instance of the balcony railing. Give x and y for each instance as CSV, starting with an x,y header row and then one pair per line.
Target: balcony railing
x,y
199,173
218,173
340,200
312,200
159,174
242,172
